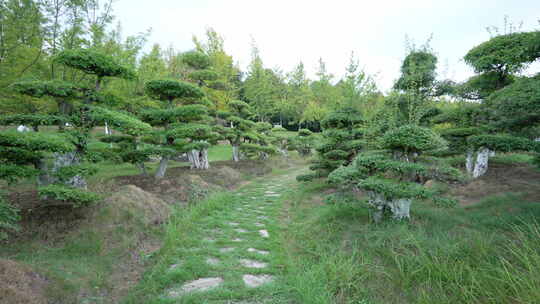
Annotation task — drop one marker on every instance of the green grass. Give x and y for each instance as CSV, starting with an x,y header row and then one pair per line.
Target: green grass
x,y
489,253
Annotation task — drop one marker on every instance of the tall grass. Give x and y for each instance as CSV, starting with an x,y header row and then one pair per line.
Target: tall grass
x,y
484,254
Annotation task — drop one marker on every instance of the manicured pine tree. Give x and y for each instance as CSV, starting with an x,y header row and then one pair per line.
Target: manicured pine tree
x,y
509,101
394,178
341,142
185,127
238,126
82,118
303,142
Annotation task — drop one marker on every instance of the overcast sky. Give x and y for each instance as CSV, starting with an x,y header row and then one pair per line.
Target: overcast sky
x,y
291,31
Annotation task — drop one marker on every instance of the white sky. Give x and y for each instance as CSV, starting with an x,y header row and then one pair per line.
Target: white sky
x,y
290,31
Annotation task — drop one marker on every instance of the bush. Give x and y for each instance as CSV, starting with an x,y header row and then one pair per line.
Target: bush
x,y
9,216
73,196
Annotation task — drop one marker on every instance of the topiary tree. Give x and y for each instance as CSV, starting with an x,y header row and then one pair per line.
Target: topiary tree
x,y
341,142
199,70
186,128
395,177
129,147
303,143
94,63
239,127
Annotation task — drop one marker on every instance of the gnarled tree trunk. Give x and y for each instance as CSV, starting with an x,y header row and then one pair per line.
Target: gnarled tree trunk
x,y
481,164
162,168
236,153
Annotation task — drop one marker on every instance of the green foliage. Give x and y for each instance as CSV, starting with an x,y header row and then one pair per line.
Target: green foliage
x,y
412,138
34,120
64,174
391,189
516,107
505,53
185,113
53,88
502,143
9,216
96,63
33,141
72,196
124,123
168,90
11,172
417,71
196,60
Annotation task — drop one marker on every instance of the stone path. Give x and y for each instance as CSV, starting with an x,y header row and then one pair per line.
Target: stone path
x,y
233,257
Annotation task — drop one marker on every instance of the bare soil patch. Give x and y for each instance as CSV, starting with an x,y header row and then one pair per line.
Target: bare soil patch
x,y
501,178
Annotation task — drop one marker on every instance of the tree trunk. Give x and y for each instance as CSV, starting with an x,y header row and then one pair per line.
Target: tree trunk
x,y
195,159
142,167
44,178
70,159
469,163
481,165
162,168
236,153
204,162
400,208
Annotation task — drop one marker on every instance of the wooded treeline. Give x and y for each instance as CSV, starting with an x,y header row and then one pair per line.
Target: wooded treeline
x,y
33,32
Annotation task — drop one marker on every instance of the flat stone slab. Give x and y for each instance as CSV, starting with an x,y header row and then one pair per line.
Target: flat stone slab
x,y
269,192
259,224
253,264
212,261
240,230
263,252
226,249
237,240
256,280
197,285
264,233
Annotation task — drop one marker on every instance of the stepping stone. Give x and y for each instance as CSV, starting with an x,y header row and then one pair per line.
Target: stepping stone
x,y
197,285
269,192
259,224
263,252
253,264
256,280
212,261
226,249
264,233
237,240
240,230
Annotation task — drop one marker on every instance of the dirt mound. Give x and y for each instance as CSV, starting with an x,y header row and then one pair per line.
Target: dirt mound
x,y
131,202
20,285
501,178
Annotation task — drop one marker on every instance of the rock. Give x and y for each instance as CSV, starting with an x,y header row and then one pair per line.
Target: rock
x,y
256,280
226,249
253,264
240,230
197,285
264,233
212,261
263,252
